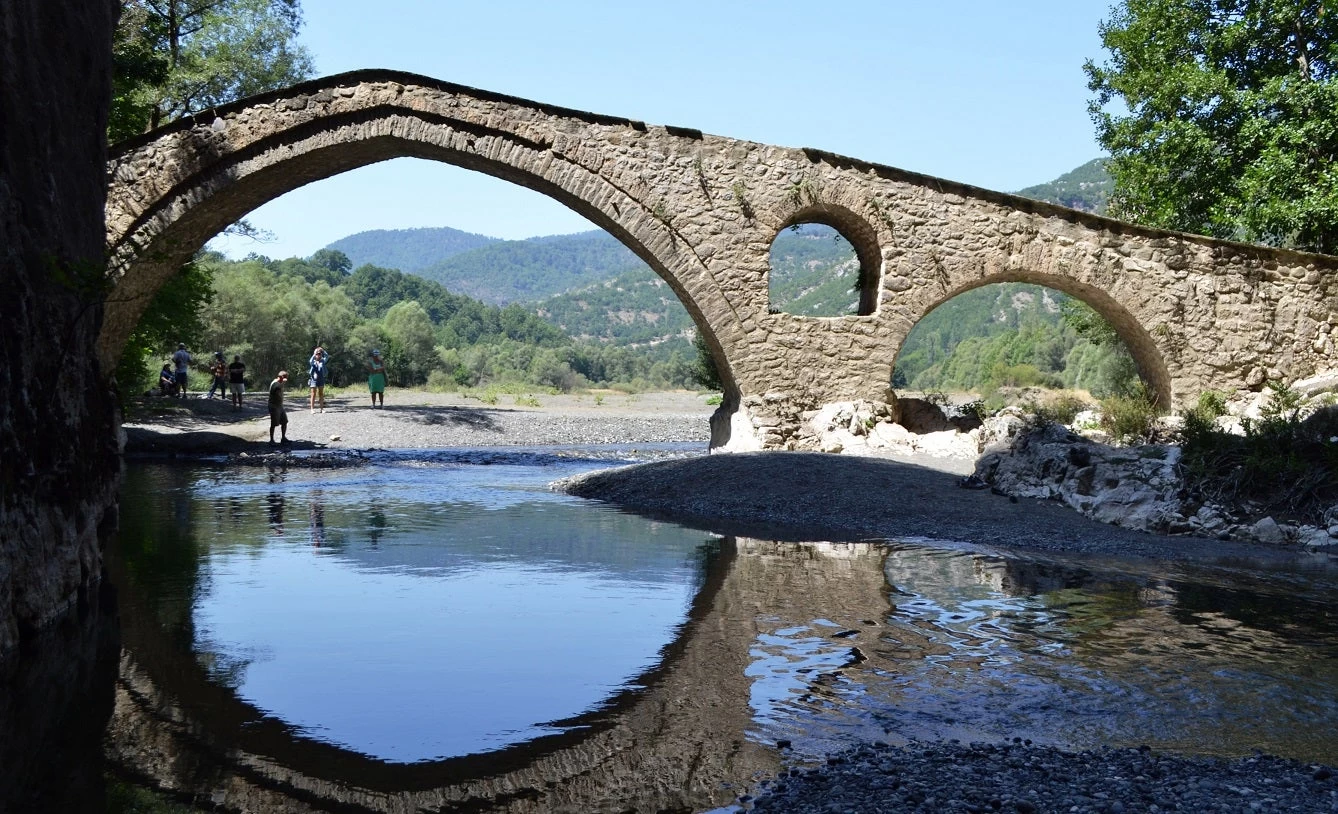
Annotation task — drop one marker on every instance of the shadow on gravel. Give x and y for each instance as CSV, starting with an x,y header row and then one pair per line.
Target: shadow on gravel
x,y
481,420
149,442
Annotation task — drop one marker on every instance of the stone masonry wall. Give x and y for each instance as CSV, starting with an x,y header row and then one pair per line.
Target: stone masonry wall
x,y
58,456
703,210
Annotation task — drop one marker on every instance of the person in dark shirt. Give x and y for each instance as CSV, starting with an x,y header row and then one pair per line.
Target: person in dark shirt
x,y
277,416
237,381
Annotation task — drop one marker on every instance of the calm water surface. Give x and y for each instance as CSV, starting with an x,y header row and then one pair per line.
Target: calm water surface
x,y
440,631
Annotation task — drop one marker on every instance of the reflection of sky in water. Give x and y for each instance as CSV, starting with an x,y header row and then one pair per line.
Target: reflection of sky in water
x,y
962,651
436,606
420,611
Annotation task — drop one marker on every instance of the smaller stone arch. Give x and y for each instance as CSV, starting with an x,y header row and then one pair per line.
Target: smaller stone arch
x,y
861,236
1147,356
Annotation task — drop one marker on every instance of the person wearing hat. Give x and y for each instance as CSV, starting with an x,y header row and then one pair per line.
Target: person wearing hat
x,y
219,369
376,378
277,416
182,361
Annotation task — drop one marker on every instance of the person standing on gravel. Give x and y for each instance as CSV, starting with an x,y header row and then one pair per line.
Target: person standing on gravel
x,y
376,378
237,381
277,416
316,371
182,361
219,370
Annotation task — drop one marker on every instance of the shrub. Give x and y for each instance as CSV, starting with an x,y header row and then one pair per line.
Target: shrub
x,y
1061,410
1287,465
1129,418
439,381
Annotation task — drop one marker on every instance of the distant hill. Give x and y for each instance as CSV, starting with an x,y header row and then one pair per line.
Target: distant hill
x,y
637,307
1087,188
813,272
527,271
408,250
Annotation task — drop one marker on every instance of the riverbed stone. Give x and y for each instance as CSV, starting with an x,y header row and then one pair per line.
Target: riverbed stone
x,y
1267,530
1131,487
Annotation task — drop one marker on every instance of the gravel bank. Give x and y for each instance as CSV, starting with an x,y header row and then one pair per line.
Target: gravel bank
x,y
421,420
808,496
951,777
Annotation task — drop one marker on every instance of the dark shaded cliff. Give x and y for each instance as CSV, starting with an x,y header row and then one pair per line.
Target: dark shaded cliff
x,y
58,455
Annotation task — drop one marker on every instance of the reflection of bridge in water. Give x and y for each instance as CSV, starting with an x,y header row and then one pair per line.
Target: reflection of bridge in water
x,y
938,643
680,743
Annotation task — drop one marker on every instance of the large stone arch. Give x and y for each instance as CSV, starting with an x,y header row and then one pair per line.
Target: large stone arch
x,y
703,210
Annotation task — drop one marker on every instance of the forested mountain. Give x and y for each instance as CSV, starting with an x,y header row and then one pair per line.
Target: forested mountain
x,y
1087,188
813,272
1007,334
635,308
534,269
492,270
409,250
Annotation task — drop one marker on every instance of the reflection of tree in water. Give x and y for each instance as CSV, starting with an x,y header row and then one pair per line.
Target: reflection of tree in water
x,y
376,524
158,544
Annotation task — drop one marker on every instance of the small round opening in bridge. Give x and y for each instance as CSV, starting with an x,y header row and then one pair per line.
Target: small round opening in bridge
x,y
1018,344
815,272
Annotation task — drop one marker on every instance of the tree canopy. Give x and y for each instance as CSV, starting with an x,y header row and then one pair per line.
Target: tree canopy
x,y
172,58
1221,117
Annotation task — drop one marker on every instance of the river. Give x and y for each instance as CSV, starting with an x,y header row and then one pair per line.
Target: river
x,y
439,631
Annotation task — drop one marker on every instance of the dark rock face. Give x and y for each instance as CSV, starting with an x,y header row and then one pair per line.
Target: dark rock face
x,y
58,455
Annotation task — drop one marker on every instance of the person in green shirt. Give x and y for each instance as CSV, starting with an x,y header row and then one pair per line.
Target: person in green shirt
x,y
277,416
376,378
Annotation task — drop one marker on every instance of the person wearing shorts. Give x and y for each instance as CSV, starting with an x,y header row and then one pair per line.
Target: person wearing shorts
x,y
277,416
237,381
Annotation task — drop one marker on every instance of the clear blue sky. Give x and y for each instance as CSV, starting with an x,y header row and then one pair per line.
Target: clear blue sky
x,y
987,93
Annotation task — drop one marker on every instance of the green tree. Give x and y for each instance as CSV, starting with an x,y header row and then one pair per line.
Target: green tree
x,y
411,352
1221,117
176,314
173,58
702,370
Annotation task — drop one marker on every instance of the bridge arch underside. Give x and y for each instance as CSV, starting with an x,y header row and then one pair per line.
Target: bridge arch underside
x,y
226,187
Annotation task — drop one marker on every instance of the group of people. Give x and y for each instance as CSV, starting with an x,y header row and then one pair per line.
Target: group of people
x,y
317,373
229,381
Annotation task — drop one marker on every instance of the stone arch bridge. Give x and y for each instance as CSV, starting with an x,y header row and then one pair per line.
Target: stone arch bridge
x,y
702,211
